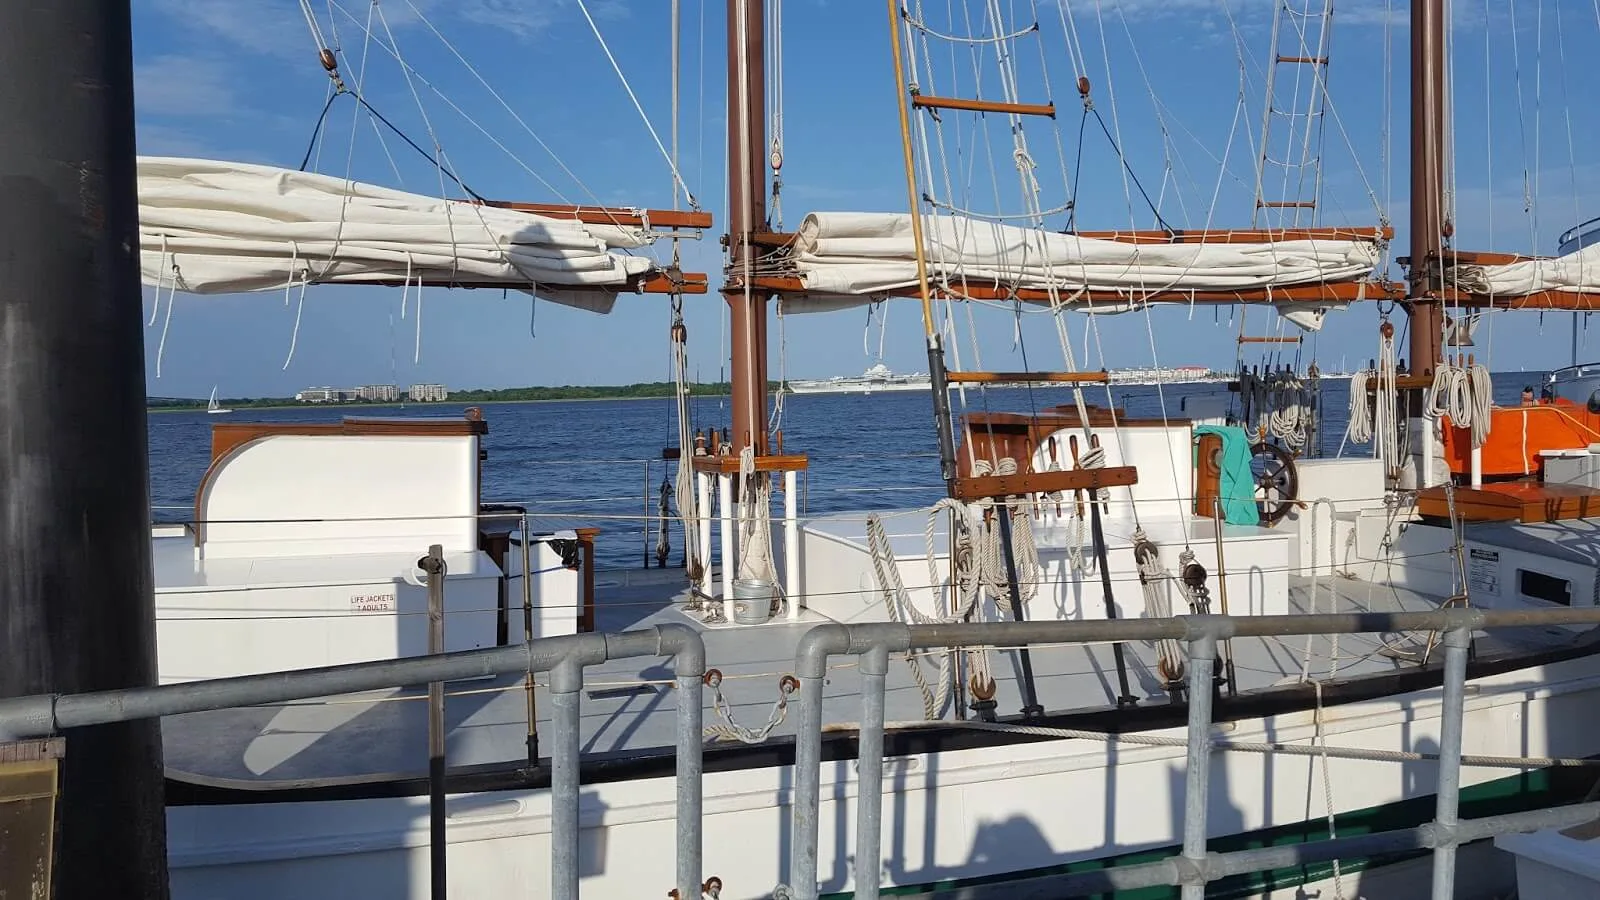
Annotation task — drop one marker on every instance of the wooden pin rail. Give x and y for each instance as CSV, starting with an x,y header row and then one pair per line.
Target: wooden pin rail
x,y
988,290
983,487
1403,382
924,101
1179,236
1025,377
648,283
627,217
728,463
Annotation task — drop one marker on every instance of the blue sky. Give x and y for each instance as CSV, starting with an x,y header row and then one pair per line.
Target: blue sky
x,y
239,79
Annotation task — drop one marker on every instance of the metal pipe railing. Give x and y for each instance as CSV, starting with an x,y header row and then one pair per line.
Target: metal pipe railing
x,y
1194,867
438,859
1197,768
869,768
563,657
566,658
1452,711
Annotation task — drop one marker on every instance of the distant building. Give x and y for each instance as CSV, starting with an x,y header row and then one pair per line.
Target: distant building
x,y
320,395
428,393
379,393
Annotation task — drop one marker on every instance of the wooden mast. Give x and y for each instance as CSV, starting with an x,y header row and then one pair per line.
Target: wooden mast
x,y
1427,183
936,368
747,215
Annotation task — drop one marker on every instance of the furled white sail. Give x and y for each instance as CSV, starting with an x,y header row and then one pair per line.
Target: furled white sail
x,y
212,227
1578,271
852,256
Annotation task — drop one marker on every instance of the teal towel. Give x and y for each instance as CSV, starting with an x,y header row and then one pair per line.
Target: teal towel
x,y
1238,482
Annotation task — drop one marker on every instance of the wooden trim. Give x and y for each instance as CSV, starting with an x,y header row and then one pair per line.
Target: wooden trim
x,y
1269,340
925,101
586,538
625,216
1207,476
993,436
982,487
227,435
1339,292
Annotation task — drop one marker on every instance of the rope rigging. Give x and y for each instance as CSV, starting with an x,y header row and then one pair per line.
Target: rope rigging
x,y
1279,403
1371,417
1464,393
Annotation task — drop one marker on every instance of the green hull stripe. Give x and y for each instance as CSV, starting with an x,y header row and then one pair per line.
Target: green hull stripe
x,y
1537,789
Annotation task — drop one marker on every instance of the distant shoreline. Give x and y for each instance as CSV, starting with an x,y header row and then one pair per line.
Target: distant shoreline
x,y
200,407
563,394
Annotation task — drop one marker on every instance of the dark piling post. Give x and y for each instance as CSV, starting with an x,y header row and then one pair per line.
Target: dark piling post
x,y
76,592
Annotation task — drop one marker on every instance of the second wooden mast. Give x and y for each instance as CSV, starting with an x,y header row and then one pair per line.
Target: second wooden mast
x,y
747,215
1429,224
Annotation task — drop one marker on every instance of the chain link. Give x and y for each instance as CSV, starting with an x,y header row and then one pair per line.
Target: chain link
x,y
730,729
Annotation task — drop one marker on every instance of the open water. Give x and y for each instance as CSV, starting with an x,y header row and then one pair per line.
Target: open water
x,y
599,462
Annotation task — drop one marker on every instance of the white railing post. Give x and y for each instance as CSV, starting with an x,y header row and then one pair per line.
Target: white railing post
x,y
791,543
728,558
1197,774
1452,712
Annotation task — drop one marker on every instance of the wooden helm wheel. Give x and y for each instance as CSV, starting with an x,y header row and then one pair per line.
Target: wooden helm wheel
x,y
1277,484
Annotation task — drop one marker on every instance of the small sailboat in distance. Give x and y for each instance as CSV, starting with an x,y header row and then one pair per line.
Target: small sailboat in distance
x,y
213,406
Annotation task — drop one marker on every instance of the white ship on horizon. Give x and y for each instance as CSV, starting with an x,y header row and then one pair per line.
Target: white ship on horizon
x,y
876,379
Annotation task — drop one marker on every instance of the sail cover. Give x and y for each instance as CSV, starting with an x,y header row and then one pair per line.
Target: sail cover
x,y
1578,272
211,227
855,255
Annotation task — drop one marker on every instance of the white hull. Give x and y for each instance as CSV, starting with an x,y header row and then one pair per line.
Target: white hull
x,y
951,815
279,540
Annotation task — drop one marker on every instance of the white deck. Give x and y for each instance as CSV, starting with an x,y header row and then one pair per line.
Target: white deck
x,y
628,706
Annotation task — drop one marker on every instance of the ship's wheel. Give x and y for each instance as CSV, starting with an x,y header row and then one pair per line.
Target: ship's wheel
x,y
1277,484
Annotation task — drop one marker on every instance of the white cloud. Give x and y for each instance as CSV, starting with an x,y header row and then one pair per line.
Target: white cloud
x,y
270,27
520,17
165,140
277,27
177,85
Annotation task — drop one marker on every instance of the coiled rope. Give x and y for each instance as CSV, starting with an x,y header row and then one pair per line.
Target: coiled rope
x,y
977,568
755,524
897,600
1369,419
1466,395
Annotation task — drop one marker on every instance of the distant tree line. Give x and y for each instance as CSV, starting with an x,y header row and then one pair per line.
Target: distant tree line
x,y
230,402
484,395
